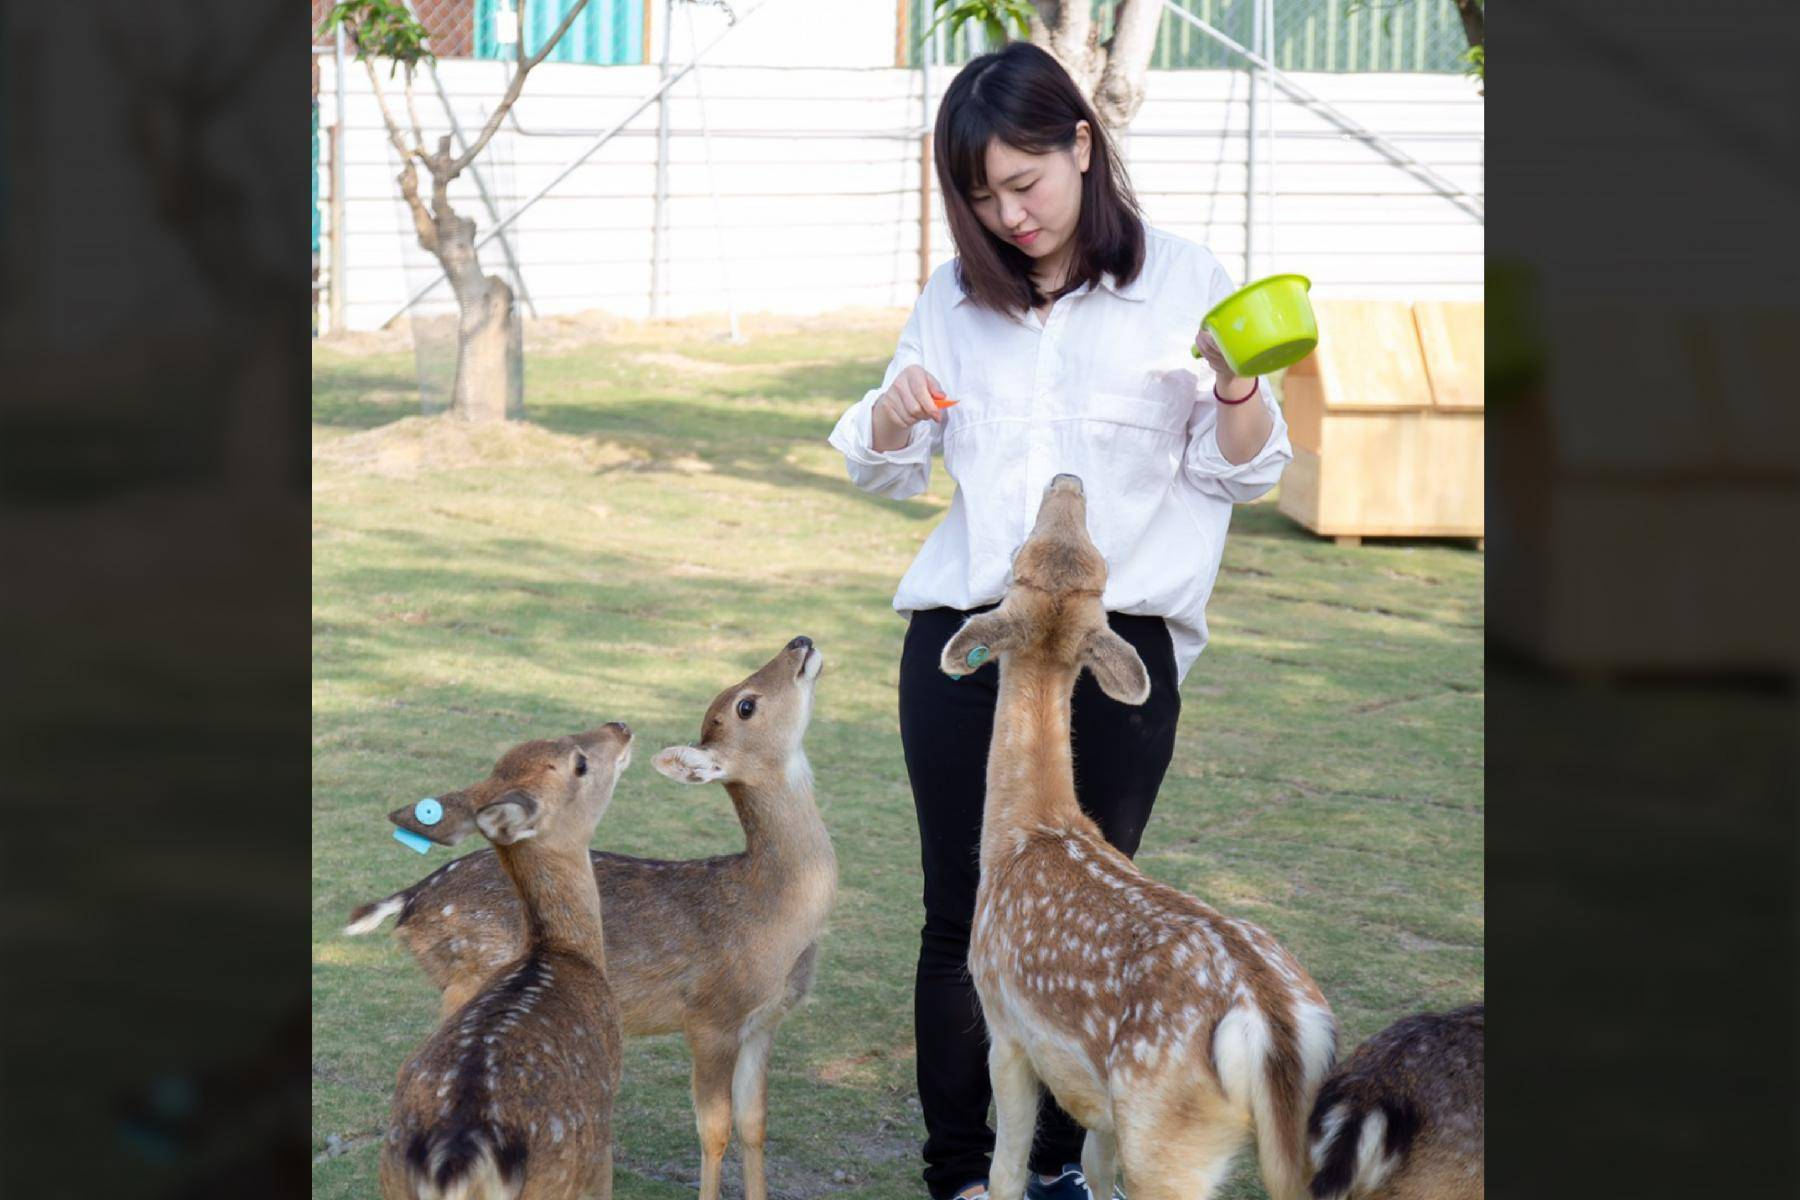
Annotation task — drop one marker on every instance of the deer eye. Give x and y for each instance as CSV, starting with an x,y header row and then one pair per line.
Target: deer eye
x,y
580,763
746,708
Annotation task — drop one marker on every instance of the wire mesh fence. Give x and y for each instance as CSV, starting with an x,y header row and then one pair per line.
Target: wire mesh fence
x,y
1344,36
604,33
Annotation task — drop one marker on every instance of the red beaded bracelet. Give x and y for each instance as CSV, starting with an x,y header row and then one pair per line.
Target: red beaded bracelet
x,y
1254,384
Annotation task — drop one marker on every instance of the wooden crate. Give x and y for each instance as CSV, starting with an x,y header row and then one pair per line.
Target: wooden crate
x,y
1386,422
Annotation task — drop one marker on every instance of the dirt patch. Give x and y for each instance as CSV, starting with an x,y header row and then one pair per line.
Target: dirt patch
x,y
789,1179
855,1068
363,343
679,362
443,443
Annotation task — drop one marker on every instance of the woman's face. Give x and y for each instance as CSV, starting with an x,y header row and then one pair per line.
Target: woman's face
x,y
1033,201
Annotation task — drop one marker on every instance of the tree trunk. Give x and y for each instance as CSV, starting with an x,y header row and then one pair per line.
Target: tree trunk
x,y
1066,29
490,374
1473,21
1110,75
1120,92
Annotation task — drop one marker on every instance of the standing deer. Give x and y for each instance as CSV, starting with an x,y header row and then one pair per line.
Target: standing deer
x,y
512,1096
718,949
1401,1118
1170,1031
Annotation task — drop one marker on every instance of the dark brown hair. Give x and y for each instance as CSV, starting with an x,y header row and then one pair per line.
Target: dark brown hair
x,y
1022,96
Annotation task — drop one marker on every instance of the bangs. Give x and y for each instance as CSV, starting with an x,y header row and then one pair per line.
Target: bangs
x,y
980,119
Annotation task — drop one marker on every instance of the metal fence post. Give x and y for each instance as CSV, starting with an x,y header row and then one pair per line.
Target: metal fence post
x,y
659,228
336,280
925,160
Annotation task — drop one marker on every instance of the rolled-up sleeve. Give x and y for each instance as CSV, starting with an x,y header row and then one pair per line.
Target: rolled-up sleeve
x,y
896,474
1205,464
1216,475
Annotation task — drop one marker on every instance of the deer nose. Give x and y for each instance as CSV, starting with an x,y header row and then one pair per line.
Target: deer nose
x,y
1069,482
800,643
619,727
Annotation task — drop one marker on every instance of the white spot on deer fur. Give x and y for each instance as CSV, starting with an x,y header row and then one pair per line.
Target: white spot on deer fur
x,y
1328,1131
453,866
1373,1165
375,917
449,910
556,1129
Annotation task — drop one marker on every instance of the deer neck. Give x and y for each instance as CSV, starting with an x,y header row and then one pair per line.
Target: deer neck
x,y
560,896
1030,766
782,829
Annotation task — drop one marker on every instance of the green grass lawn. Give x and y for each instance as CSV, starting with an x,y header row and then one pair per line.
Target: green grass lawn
x,y
670,518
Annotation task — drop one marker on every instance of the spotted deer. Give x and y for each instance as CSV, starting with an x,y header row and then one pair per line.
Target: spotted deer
x,y
1172,1032
718,949
1401,1118
512,1096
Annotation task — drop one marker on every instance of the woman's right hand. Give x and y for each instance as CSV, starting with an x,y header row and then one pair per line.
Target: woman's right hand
x,y
913,397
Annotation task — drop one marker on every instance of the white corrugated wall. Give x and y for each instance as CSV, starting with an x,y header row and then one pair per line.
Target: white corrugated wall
x,y
817,170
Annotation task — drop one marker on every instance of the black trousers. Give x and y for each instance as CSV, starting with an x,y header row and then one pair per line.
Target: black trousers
x,y
1121,754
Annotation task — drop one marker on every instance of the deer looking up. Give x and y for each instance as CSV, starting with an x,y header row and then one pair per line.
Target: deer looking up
x,y
1170,1031
718,949
512,1096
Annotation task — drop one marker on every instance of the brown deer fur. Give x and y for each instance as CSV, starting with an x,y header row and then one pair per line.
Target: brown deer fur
x,y
512,1096
1172,1032
1401,1118
718,949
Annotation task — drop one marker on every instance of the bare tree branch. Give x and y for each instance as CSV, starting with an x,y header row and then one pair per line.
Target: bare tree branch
x,y
395,134
409,175
517,84
412,110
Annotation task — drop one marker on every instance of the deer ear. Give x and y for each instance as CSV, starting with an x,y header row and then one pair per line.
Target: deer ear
x,y
511,818
688,764
445,820
1116,666
982,637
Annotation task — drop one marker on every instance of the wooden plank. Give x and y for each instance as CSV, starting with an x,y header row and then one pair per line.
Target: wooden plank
x,y
1452,341
1299,495
1389,474
1303,407
1369,356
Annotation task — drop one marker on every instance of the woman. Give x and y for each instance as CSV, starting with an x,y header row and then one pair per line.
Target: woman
x,y
1059,340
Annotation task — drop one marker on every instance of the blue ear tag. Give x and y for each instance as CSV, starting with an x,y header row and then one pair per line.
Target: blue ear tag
x,y
977,656
428,811
411,840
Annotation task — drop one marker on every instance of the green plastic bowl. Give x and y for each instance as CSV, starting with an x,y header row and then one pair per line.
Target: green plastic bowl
x,y
1266,325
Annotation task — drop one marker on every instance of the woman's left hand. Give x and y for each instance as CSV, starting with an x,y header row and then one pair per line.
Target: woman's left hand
x,y
1228,383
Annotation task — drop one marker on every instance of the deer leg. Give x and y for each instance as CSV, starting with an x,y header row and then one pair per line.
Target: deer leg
x,y
1178,1144
750,1106
715,1056
1100,1162
600,1186
1015,1117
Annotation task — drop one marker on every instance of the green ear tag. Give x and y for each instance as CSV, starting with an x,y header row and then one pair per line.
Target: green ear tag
x,y
977,656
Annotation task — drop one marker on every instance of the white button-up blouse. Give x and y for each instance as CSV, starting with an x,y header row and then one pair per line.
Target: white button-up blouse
x,y
1103,387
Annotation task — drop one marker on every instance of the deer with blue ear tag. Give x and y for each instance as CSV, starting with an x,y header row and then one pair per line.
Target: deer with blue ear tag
x,y
512,1096
1173,1033
718,949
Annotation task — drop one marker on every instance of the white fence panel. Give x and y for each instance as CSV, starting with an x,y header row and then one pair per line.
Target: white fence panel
x,y
816,171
